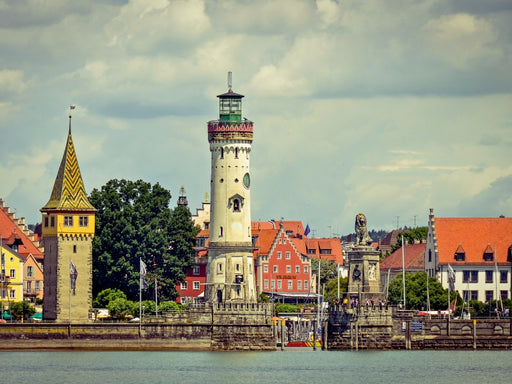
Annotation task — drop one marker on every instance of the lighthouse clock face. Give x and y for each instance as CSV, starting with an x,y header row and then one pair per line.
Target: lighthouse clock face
x,y
247,180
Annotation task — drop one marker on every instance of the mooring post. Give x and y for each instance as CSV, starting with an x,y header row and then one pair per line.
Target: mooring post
x,y
282,334
314,335
474,334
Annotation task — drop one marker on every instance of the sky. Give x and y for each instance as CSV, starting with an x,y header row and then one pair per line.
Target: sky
x,y
388,108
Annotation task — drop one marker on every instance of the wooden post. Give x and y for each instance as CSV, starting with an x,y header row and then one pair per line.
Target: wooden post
x,y
314,334
408,335
324,336
474,335
282,334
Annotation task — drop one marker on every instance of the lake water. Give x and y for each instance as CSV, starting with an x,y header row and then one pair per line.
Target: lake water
x,y
299,365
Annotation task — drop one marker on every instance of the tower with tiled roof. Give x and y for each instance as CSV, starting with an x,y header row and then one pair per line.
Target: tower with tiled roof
x,y
230,271
68,225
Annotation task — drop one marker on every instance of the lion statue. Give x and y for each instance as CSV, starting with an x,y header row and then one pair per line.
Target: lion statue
x,y
362,237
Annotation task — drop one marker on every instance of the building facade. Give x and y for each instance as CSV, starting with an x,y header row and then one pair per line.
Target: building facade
x,y
477,250
11,277
68,225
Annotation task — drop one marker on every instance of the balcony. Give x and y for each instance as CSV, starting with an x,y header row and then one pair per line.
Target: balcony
x,y
228,130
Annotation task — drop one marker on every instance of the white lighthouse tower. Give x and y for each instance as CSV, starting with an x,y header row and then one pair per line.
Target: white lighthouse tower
x,y
230,273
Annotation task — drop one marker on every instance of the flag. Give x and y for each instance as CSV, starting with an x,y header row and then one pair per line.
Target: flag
x,y
73,273
451,278
143,284
307,230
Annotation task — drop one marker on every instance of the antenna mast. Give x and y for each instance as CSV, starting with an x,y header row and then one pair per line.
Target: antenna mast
x,y
230,80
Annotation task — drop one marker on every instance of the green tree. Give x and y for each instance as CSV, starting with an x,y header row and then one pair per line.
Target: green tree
x,y
121,308
134,221
21,309
106,296
411,236
416,291
331,288
169,306
327,270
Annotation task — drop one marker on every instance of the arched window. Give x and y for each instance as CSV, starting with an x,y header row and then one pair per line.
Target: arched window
x,y
236,205
222,153
236,153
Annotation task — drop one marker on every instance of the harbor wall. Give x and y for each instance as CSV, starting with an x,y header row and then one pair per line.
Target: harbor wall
x,y
222,327
389,328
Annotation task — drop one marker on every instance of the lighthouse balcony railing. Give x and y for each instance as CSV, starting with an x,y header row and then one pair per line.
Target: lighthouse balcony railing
x,y
227,126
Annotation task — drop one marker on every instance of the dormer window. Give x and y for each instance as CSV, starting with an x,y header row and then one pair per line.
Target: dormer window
x,y
460,254
488,253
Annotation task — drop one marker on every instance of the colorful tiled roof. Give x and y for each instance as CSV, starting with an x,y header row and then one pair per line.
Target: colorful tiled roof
x,y
414,258
68,191
14,230
474,237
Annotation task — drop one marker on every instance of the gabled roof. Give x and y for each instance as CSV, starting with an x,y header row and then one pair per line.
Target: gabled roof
x,y
264,241
14,230
68,192
293,228
474,236
332,244
414,258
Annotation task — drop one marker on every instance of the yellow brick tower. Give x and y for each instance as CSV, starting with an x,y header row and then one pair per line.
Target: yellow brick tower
x,y
68,229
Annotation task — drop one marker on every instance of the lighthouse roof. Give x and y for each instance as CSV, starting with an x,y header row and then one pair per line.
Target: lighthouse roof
x,y
230,94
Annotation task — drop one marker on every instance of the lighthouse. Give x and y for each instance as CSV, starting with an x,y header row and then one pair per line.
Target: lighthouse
x,y
230,271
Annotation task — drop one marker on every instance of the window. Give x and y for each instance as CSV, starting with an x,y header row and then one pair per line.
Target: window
x,y
460,256
28,286
311,251
83,221
68,221
488,296
273,284
290,284
221,232
470,276
488,277
279,284
184,285
236,153
503,277
275,268
237,267
306,284
265,268
46,221
74,248
196,270
299,285
12,294
52,221
3,294
288,255
236,205
470,295
12,273
429,255
196,285
265,284
297,269
278,255
504,295
306,270
288,269
219,268
325,251
30,272
39,285
222,153
488,256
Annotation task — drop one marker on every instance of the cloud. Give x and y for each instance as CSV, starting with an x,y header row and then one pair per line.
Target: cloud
x,y
493,201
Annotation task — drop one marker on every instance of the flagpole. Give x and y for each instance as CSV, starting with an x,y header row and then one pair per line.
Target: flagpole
x,y
403,270
156,298
140,298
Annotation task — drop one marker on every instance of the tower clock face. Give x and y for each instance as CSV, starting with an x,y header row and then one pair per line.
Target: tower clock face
x,y
247,180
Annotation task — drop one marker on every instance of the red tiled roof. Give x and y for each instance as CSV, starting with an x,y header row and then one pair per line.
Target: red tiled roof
x,y
12,229
265,239
333,244
475,236
414,258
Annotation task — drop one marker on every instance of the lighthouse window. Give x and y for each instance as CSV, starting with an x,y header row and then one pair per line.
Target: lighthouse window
x,y
222,153
221,231
236,205
236,153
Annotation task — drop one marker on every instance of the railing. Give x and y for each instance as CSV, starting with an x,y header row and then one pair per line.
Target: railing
x,y
220,126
